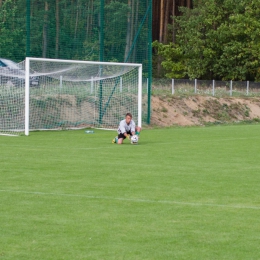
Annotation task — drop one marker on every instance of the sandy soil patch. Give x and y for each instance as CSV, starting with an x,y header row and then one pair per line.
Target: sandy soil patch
x,y
200,110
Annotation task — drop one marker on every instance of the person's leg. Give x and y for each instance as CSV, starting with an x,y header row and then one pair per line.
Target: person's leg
x,y
115,140
120,139
137,130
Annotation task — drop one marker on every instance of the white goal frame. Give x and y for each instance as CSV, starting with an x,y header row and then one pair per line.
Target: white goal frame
x,y
27,83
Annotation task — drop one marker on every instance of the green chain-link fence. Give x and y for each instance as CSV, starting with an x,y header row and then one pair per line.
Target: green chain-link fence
x,y
105,30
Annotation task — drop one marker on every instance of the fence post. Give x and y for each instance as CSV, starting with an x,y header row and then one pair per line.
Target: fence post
x,y
231,85
121,84
213,88
60,82
172,86
147,84
92,85
195,90
247,88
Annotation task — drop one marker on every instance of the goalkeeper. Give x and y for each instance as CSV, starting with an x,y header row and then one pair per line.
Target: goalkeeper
x,y
126,129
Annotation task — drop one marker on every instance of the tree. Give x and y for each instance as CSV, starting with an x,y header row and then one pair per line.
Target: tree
x,y
45,30
12,42
69,29
173,61
240,39
57,42
218,40
164,12
129,31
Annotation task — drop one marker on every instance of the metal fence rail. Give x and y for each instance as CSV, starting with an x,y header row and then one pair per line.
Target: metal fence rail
x,y
205,87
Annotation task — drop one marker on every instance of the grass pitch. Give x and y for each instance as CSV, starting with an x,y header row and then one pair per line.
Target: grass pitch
x,y
182,193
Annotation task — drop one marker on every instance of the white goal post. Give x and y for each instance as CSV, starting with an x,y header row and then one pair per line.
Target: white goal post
x,y
78,94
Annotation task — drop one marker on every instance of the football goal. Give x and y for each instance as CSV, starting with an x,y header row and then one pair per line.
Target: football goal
x,y
71,94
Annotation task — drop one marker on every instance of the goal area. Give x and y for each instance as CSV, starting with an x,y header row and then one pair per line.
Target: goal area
x,y
71,94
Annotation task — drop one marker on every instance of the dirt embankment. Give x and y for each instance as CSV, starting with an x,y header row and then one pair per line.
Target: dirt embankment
x,y
202,110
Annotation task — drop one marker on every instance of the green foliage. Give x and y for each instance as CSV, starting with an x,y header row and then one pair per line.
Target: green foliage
x,y
12,42
68,29
218,40
116,21
173,59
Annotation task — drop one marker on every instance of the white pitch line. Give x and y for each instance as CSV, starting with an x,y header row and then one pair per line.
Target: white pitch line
x,y
8,135
136,200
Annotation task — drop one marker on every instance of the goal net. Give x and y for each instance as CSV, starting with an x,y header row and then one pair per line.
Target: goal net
x,y
68,94
12,97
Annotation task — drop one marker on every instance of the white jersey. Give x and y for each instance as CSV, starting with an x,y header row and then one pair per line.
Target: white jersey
x,y
124,127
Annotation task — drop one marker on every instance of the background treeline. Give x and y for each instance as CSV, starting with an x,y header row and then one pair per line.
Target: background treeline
x,y
204,39
75,29
211,39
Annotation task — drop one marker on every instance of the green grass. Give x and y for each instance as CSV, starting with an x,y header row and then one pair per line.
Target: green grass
x,y
182,193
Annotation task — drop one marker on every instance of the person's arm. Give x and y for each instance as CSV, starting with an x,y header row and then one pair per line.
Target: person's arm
x,y
122,129
126,135
133,127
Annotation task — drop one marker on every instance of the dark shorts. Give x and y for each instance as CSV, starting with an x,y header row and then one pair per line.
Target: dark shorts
x,y
122,135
